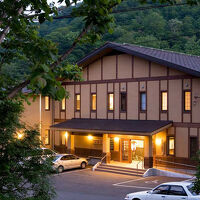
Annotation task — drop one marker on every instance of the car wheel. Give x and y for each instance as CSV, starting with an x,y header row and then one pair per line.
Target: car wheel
x,y
60,169
83,165
135,199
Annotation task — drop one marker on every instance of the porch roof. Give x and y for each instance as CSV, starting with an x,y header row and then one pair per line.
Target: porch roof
x,y
129,127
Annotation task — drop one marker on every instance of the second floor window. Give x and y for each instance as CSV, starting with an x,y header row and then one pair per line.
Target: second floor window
x,y
47,103
164,101
94,102
78,102
111,101
123,100
143,103
187,101
63,104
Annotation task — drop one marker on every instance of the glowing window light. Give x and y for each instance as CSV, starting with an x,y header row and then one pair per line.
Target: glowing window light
x,y
111,101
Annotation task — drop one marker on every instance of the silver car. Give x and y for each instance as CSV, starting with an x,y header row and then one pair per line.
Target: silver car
x,y
62,162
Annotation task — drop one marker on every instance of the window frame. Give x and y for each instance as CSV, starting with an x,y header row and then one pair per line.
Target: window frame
x,y
77,110
168,137
184,102
108,103
123,110
91,100
61,108
140,102
161,101
48,103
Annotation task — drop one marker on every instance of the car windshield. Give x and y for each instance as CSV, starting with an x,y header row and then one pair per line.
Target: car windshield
x,y
190,188
55,158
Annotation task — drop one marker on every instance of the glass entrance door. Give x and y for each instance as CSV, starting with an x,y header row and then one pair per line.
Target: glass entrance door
x,y
125,150
137,152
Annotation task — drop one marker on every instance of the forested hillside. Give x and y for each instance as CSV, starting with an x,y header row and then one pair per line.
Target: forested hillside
x,y
171,28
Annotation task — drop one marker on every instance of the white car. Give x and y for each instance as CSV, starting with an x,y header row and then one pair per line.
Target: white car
x,y
62,162
167,191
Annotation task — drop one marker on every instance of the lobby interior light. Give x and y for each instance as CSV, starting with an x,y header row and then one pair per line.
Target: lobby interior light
x,y
158,142
116,139
90,137
66,134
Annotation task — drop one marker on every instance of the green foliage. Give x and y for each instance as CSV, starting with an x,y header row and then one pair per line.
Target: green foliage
x,y
23,173
172,28
196,187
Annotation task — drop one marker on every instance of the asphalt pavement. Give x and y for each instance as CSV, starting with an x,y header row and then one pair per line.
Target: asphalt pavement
x,y
88,185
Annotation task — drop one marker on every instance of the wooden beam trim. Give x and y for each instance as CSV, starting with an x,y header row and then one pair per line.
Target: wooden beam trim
x,y
176,77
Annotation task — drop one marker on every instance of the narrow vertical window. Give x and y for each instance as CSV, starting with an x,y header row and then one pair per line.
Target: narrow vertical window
x,y
111,101
193,146
47,103
47,137
63,104
187,101
78,102
94,102
171,145
143,101
164,101
123,102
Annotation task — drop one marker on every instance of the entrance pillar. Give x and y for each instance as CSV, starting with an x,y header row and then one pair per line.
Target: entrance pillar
x,y
70,144
148,152
106,147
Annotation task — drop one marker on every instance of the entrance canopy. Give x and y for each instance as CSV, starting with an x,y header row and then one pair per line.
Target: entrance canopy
x,y
126,127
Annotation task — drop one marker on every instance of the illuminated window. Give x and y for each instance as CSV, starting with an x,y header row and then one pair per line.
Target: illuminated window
x,y
94,101
47,103
187,100
110,101
164,101
63,104
47,137
123,102
78,102
143,105
171,145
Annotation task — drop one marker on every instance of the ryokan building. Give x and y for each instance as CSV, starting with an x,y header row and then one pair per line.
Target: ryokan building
x,y
135,104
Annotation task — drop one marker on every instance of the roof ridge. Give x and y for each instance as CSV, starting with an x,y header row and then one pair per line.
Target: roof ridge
x,y
157,49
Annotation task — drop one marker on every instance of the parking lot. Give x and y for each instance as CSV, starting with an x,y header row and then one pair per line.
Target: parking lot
x,y
88,185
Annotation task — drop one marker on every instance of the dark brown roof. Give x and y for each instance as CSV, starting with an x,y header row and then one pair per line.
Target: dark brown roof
x,y
139,126
179,61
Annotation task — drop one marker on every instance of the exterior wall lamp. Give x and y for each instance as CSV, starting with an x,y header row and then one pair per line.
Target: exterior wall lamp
x,y
116,139
158,142
20,136
90,137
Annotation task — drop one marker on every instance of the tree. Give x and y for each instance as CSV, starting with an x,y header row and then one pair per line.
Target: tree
x,y
20,40
23,173
196,187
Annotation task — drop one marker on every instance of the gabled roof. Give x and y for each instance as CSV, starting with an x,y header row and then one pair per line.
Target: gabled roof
x,y
140,127
179,61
